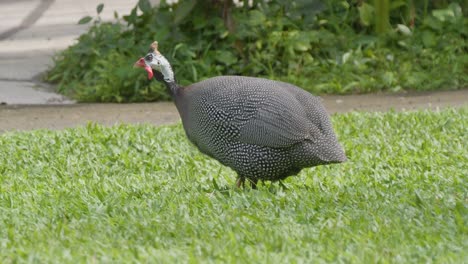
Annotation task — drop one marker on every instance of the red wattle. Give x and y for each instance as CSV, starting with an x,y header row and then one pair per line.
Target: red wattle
x,y
150,72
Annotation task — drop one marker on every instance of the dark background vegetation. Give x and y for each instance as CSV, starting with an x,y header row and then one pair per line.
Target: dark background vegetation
x,y
327,46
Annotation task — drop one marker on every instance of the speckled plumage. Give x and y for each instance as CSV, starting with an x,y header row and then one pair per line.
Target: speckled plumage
x,y
262,129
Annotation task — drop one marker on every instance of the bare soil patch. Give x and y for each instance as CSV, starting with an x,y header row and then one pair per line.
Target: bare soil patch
x,y
26,117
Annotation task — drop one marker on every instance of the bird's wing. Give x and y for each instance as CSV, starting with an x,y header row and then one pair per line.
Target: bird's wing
x,y
248,110
278,122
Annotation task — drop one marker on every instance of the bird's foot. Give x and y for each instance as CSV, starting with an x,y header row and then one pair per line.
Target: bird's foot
x,y
240,182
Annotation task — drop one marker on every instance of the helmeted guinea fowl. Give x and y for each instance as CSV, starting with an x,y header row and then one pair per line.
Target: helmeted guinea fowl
x,y
262,129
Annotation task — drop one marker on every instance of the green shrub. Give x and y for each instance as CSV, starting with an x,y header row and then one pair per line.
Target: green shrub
x,y
322,46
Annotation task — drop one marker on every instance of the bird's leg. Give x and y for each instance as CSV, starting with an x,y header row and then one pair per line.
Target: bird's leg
x,y
281,184
253,183
240,181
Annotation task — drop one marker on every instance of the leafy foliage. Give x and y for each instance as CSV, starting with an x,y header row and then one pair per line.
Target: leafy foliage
x,y
322,46
131,194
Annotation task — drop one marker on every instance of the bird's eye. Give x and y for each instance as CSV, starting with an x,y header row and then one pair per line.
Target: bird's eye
x,y
149,57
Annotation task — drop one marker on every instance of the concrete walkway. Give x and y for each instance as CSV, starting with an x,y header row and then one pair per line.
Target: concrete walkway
x,y
27,117
31,32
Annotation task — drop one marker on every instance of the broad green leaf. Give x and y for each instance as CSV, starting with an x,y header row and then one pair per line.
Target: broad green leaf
x,y
226,57
457,10
99,8
144,5
301,46
395,4
404,29
224,34
429,39
256,18
346,56
183,9
443,14
366,14
131,19
345,4
388,78
85,20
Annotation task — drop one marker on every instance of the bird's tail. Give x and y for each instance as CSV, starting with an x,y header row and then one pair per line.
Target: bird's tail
x,y
322,153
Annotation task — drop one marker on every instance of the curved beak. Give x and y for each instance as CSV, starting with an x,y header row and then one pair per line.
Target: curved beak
x,y
141,64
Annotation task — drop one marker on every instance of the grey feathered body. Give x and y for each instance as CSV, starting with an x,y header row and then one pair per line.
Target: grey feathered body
x,y
262,129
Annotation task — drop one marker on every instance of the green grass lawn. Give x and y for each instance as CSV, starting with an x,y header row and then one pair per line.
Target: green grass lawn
x,y
130,194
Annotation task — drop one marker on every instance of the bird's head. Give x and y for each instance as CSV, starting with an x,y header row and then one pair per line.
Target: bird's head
x,y
154,60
